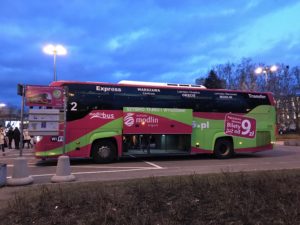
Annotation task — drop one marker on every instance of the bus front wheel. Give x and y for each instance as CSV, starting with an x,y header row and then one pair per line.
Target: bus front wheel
x,y
103,151
223,148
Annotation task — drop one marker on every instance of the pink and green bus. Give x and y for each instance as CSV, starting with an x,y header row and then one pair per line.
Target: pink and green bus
x,y
107,121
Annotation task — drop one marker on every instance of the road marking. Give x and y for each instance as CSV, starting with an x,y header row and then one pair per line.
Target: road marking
x,y
152,164
99,172
113,167
149,163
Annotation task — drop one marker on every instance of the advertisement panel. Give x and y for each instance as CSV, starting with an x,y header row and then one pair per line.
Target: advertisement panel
x,y
139,120
241,126
44,96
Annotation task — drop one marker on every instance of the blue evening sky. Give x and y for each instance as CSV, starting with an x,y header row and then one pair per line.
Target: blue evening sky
x,y
143,40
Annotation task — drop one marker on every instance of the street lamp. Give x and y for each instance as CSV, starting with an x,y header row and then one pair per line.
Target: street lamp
x,y
266,70
55,50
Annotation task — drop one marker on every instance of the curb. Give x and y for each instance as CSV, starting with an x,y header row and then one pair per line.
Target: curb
x,y
292,143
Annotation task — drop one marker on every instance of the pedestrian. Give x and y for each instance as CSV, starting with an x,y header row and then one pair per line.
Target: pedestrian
x,y
16,136
26,139
2,140
10,136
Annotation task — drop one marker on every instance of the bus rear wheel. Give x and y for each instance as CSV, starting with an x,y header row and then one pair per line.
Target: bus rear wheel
x,y
103,151
223,149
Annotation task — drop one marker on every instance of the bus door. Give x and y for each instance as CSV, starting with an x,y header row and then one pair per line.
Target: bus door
x,y
156,130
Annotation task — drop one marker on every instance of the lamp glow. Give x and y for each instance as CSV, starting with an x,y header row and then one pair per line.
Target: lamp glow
x,y
266,70
55,50
273,68
259,70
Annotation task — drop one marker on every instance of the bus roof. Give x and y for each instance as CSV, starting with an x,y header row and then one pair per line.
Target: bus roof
x,y
154,84
130,83
160,84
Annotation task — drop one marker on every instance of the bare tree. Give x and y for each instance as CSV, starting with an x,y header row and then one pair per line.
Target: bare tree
x,y
283,83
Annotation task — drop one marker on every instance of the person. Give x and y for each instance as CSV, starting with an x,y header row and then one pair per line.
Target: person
x,y
10,136
2,140
16,136
145,144
27,139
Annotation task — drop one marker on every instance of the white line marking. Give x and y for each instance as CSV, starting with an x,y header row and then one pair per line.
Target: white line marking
x,y
16,154
98,172
152,164
149,163
114,171
112,167
103,167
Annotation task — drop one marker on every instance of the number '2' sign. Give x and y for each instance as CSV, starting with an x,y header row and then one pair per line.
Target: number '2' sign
x,y
236,125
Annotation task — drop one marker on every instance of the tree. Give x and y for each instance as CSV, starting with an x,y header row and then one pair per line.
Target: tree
x,y
213,81
283,83
227,74
239,76
246,76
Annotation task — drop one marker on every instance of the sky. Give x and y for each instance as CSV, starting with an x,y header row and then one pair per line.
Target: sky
x,y
141,40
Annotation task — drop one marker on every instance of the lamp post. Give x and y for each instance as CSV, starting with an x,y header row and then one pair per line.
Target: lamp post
x,y
265,70
55,50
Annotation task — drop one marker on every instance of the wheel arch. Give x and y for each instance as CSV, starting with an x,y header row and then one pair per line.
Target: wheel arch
x,y
224,147
109,153
105,136
220,135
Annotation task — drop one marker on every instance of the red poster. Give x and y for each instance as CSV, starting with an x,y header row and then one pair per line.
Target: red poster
x,y
241,126
44,96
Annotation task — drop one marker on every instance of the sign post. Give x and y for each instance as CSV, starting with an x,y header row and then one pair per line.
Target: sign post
x,y
20,175
65,118
45,121
22,120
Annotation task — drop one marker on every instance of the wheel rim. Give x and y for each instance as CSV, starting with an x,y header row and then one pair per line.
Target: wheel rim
x,y
104,152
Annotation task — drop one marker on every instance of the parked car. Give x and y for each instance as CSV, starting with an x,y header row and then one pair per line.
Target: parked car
x,y
292,127
282,130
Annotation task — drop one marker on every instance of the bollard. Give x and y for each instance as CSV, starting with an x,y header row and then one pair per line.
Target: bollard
x,y
3,174
20,174
63,170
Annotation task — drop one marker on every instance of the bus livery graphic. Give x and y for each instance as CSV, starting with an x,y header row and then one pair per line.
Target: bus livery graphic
x,y
108,121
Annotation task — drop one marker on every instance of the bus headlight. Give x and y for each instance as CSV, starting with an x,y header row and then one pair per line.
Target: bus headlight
x,y
39,138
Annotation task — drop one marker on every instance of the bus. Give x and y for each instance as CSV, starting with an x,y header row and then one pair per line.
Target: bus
x,y
108,121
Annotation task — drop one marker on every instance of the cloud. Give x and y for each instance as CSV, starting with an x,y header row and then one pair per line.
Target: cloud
x,y
252,4
266,32
149,40
126,40
119,75
10,30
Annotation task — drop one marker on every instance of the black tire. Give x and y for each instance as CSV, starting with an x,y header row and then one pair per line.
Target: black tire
x,y
103,151
223,149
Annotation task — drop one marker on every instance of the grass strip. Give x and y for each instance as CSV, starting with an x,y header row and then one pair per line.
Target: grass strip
x,y
270,197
